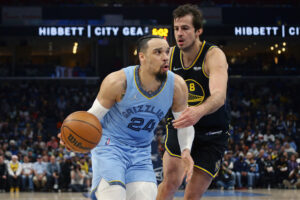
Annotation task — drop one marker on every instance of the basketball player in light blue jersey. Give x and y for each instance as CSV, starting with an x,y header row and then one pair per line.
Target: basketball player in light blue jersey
x,y
130,104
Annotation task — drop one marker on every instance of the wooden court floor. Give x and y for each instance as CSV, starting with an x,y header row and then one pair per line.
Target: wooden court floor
x,y
259,194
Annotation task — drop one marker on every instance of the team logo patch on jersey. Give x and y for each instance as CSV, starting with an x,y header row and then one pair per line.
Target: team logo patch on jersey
x,y
196,92
176,68
134,97
107,141
197,68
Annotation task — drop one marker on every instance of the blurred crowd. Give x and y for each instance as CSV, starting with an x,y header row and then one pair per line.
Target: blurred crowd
x,y
30,155
263,149
44,70
261,65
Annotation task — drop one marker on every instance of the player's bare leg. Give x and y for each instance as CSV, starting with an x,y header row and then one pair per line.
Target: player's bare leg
x,y
173,176
198,185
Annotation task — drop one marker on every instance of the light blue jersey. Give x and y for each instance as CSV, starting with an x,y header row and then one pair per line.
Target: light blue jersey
x,y
133,120
124,152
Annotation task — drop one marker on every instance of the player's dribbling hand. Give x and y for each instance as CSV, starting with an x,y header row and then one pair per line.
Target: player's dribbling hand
x,y
188,163
62,142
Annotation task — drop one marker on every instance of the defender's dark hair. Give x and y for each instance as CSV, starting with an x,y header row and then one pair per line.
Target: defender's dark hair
x,y
188,9
142,42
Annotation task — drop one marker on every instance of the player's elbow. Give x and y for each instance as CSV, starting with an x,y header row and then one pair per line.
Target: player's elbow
x,y
220,98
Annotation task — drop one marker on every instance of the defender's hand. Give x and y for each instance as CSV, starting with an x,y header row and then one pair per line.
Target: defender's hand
x,y
189,117
188,163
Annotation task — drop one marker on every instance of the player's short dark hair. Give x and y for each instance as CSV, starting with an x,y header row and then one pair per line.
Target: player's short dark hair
x,y
142,42
188,9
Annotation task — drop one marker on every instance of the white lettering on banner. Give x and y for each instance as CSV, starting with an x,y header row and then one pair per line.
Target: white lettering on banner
x,y
106,31
294,31
257,31
93,31
115,30
266,31
132,31
61,31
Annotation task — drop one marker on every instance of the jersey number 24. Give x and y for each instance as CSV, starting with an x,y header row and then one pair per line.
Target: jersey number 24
x,y
138,124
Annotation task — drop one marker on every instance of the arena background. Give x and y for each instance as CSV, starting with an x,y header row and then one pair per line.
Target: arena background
x,y
55,53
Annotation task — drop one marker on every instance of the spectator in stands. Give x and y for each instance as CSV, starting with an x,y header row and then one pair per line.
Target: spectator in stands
x,y
53,173
281,170
40,171
30,155
14,174
289,149
27,175
293,180
253,174
269,172
52,144
253,150
268,137
3,174
65,175
241,169
260,160
77,178
226,179
85,167
292,162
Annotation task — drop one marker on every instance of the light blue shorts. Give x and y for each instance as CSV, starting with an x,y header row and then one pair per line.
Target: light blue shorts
x,y
120,164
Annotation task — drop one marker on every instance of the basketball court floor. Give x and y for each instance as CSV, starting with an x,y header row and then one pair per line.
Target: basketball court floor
x,y
259,194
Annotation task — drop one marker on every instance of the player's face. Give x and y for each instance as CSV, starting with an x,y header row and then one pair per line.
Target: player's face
x,y
157,57
185,33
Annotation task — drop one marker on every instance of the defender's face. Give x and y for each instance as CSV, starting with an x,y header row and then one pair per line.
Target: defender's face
x,y
185,33
156,56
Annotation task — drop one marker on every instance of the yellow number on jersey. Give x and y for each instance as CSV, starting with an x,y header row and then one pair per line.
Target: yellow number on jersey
x,y
192,87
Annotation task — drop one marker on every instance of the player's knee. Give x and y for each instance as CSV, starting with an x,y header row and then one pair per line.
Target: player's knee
x,y
171,183
141,190
105,191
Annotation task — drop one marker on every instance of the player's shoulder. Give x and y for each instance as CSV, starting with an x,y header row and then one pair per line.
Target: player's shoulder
x,y
214,51
178,80
116,78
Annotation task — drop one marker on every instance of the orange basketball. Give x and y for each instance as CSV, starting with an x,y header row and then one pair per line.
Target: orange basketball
x,y
81,131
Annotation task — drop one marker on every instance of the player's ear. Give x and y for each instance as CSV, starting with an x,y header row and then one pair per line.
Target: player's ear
x,y
141,56
199,31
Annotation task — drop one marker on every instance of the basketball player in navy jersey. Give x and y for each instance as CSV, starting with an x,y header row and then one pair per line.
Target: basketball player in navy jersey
x,y
130,104
203,66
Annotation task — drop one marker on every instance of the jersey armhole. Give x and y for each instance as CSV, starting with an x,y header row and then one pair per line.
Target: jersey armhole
x,y
203,64
171,57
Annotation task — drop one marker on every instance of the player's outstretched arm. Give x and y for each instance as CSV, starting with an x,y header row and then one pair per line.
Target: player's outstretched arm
x,y
185,135
216,67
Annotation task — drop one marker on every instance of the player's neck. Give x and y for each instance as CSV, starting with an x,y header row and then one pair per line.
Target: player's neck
x,y
148,82
189,55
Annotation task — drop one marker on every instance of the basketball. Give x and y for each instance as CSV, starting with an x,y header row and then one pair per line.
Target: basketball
x,y
81,131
